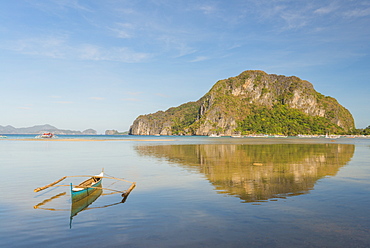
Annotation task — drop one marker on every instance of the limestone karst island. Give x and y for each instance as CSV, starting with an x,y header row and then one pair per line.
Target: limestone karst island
x,y
252,103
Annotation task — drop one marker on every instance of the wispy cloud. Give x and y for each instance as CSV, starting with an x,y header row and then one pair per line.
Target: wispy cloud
x,y
207,8
199,58
162,95
73,4
121,54
55,96
294,20
289,15
55,6
123,30
24,108
97,98
134,93
64,102
357,13
44,46
61,48
326,9
176,44
131,99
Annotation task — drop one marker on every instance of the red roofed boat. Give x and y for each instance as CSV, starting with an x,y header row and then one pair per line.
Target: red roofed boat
x,y
46,135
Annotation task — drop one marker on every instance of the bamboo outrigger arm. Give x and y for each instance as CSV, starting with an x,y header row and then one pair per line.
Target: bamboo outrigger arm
x,y
68,185
49,185
52,184
133,185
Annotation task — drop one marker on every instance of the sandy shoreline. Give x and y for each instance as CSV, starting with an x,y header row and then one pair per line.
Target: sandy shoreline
x,y
80,139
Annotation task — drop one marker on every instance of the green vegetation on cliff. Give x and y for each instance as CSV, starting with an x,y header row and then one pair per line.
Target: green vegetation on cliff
x,y
183,116
283,120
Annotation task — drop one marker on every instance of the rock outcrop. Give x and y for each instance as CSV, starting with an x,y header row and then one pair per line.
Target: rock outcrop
x,y
232,100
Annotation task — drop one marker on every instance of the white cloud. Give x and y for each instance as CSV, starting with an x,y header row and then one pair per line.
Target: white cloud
x,y
97,98
177,44
64,102
327,9
121,54
61,48
25,108
199,58
294,20
162,95
123,30
73,4
358,13
55,6
44,46
131,99
207,9
133,93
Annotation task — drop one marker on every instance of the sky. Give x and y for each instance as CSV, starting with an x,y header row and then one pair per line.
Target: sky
x,y
79,64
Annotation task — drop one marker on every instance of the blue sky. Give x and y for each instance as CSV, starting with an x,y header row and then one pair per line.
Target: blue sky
x,y
99,64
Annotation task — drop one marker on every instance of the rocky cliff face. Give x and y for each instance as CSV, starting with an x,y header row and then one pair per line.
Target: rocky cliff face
x,y
232,100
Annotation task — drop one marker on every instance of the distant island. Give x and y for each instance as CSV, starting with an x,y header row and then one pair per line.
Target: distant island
x,y
38,129
252,103
115,132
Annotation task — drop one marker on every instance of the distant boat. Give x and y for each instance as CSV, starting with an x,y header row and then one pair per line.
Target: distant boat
x,y
332,136
214,135
87,187
46,135
257,136
236,136
279,136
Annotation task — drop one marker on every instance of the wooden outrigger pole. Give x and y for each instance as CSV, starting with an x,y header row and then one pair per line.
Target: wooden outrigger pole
x,y
127,192
133,185
49,185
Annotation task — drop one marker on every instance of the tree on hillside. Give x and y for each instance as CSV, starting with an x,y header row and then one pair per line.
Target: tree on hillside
x,y
366,131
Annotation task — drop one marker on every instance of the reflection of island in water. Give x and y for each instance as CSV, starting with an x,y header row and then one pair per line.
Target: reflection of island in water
x,y
258,172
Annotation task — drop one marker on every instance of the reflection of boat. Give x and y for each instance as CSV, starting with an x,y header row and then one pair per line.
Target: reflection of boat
x,y
87,187
46,135
78,206
81,204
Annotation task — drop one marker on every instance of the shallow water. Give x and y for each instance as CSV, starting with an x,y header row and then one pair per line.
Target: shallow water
x,y
191,192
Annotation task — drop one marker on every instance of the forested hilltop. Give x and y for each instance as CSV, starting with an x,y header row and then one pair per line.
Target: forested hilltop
x,y
252,103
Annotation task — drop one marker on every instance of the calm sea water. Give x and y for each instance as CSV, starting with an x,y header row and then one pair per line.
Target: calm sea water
x,y
191,192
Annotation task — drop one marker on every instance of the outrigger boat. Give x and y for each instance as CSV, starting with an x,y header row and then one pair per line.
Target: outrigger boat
x,y
87,187
85,193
